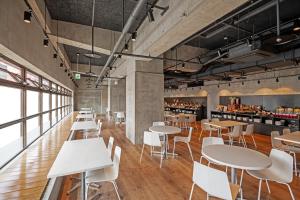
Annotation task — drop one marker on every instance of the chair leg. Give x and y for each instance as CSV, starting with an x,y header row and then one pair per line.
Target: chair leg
x,y
174,148
200,159
161,157
253,141
259,189
142,153
268,187
192,190
200,134
244,141
190,150
291,192
116,188
295,163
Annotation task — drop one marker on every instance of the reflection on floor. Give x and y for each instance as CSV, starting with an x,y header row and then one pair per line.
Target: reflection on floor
x,y
26,177
173,181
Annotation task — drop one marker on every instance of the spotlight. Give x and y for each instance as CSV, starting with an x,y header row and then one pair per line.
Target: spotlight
x,y
249,43
298,77
46,42
296,25
66,70
116,82
229,84
258,82
55,55
218,86
242,82
110,68
225,38
61,65
27,16
183,65
277,79
126,47
150,15
133,36
69,74
119,56
278,39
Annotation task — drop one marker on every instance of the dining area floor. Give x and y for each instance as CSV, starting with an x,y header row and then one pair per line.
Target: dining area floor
x,y
146,180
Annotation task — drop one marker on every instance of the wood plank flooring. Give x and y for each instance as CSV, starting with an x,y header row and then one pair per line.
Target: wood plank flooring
x,y
26,177
174,180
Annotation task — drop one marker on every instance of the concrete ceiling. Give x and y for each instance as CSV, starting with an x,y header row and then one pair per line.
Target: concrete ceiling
x,y
289,9
108,13
72,51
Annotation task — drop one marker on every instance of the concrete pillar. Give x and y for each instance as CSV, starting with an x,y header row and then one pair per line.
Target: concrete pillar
x,y
144,97
117,95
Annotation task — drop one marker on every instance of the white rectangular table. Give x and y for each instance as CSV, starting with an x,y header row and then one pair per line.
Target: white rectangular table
x,y
85,108
293,137
80,156
85,116
83,125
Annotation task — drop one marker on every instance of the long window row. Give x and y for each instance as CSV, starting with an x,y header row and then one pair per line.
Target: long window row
x,y
29,106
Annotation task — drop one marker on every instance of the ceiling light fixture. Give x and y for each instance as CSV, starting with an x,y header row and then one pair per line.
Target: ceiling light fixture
x,y
277,79
66,70
150,15
61,65
126,47
27,16
133,36
249,42
242,82
55,55
296,25
229,84
258,82
46,42
183,65
218,86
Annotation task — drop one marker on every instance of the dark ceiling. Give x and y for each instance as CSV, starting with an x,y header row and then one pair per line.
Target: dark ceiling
x,y
72,51
289,9
108,13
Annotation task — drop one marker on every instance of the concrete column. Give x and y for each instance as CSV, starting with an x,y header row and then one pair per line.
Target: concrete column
x,y
144,97
117,95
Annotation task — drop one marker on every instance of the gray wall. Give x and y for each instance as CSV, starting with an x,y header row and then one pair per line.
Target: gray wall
x,y
118,95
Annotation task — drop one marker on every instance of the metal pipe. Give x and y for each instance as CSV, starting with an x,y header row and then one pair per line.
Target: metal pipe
x,y
155,58
128,24
93,19
277,18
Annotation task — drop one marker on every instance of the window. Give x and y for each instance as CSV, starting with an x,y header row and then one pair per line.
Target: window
x,y
46,104
33,129
9,71
10,104
46,122
32,79
11,142
32,102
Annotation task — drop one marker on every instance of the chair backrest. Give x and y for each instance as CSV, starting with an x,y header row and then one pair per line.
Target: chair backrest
x,y
190,134
99,127
215,119
120,115
237,130
249,129
110,145
282,165
211,140
158,124
275,143
212,181
152,138
286,131
116,161
204,126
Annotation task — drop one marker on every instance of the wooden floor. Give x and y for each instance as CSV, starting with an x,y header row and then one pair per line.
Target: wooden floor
x,y
174,180
26,177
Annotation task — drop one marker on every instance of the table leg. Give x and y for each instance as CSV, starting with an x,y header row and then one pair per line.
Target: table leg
x,y
83,186
165,146
233,176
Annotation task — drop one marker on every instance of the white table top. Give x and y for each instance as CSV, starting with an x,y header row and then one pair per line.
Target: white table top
x,y
85,108
165,129
83,125
291,137
236,157
78,156
226,123
85,112
84,116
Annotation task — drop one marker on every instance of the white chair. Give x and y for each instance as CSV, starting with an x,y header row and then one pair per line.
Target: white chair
x,y
281,171
206,127
215,119
235,133
152,139
277,144
214,182
98,131
109,174
110,145
249,132
158,124
286,131
185,140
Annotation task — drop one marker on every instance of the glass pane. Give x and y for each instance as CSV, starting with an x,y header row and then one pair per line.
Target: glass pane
x,y
11,106
32,102
6,67
32,79
46,122
59,114
63,100
53,117
46,84
33,129
11,142
58,100
53,86
46,105
53,101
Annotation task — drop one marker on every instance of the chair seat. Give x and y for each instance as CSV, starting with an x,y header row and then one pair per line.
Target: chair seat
x,y
181,139
100,175
266,174
234,190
